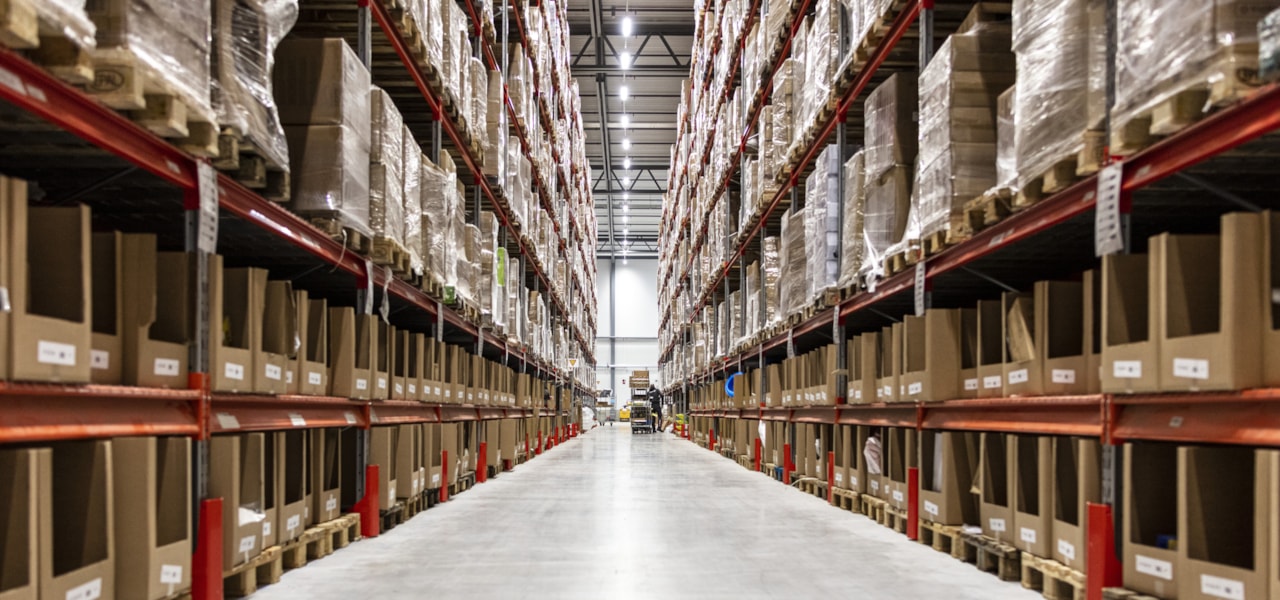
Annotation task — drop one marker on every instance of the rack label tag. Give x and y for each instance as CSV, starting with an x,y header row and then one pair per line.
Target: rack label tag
x,y
54,353
931,508
1191,368
227,421
1064,375
207,234
12,81
996,525
920,289
88,591
1153,567
1126,369
350,416
1019,376
991,382
1221,587
296,420
1108,238
1067,549
99,360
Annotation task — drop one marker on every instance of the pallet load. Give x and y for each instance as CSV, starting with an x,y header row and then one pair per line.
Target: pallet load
x,y
386,180
958,97
60,28
889,158
822,223
1165,82
1269,46
251,141
794,281
322,92
152,57
853,224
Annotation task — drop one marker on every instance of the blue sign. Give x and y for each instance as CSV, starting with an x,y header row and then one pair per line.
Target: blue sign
x,y
728,384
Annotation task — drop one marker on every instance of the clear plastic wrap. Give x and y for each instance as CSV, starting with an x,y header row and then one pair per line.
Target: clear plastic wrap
x,y
386,167
853,243
771,276
244,39
168,41
437,202
413,201
1268,46
330,173
495,153
751,288
321,82
433,32
1214,45
821,223
890,136
888,201
1051,43
803,93
794,284
485,262
1006,140
67,17
478,109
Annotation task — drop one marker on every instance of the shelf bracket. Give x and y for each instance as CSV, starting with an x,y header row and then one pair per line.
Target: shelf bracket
x,y
989,279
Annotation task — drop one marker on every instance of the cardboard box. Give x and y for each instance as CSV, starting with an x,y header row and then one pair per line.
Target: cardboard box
x,y
1151,518
844,441
997,482
353,474
948,460
106,359
968,353
236,475
19,512
383,451
859,474
294,483
493,445
1210,301
271,501
321,82
236,297
408,462
326,473
156,318
1224,508
1077,481
990,369
77,529
409,357
1270,306
350,355
509,440
1063,361
399,368
1032,456
902,454
931,356
152,504
312,376
432,445
450,443
1130,346
47,251
888,355
279,337
384,343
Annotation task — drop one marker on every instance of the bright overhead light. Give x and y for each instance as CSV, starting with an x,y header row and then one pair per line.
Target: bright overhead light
x,y
624,93
625,120
626,163
626,26
626,181
626,231
626,143
626,196
626,207
624,60
626,219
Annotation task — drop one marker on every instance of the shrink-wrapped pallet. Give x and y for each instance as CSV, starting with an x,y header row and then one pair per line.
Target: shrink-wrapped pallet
x,y
890,135
485,261
1006,139
438,200
244,38
386,168
433,27
770,277
495,146
794,283
413,201
853,243
329,169
1051,43
751,289
822,223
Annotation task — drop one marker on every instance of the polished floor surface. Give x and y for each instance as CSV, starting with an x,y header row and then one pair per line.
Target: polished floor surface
x,y
616,515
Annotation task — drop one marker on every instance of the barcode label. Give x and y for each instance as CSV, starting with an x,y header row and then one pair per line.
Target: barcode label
x,y
362,384
971,385
1220,587
931,508
88,591
227,421
1067,549
1154,567
54,353
314,378
233,371
991,382
166,367
99,360
171,574
1191,368
1126,369
297,420
997,525
1019,376
274,372
915,388
1028,535
1064,375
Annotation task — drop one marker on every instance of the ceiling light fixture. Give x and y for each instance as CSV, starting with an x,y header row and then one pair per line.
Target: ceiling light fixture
x,y
624,93
625,120
627,26
626,163
626,181
626,143
624,60
626,207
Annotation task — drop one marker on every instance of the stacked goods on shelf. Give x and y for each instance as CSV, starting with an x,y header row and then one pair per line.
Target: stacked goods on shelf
x,y
322,92
958,96
386,176
853,225
153,57
822,223
245,36
1164,83
1269,46
889,157
51,23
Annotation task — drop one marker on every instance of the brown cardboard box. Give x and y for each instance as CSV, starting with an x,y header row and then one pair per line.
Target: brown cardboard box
x,y
320,82
326,474
990,349
236,475
509,440
888,363
450,442
1224,507
1151,513
105,356
996,482
1077,481
968,353
1210,302
77,529
773,378
384,355
1130,346
1032,456
400,368
1270,307
271,503
19,511
352,473
8,287
931,356
412,357
433,445
235,302
312,376
493,444
157,318
279,337
863,365
858,474
152,503
948,460
408,450
294,483
902,455
1064,332
348,355
383,445
49,293
843,449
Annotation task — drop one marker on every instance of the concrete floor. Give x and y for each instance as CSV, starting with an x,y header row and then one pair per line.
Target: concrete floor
x,y
612,515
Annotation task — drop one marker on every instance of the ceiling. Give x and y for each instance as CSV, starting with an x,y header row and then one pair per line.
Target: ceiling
x,y
629,200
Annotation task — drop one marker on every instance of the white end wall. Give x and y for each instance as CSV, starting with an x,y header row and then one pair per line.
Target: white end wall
x,y
629,340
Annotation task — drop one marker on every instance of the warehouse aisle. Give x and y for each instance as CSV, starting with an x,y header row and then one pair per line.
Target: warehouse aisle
x,y
612,515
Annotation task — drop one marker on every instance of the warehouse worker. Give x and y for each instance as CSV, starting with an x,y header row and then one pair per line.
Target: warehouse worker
x,y
655,403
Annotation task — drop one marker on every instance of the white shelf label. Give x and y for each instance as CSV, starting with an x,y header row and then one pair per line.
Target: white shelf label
x,y
166,367
915,388
227,421
1154,567
382,383
1126,369
297,420
351,417
99,360
971,385
991,382
996,525
931,508
1191,368
288,377
920,289
207,238
247,543
857,394
839,477
233,371
1028,535
87,591
897,496
399,389
413,389
331,504
391,493
54,353
12,81
274,372
362,383
1063,375
1067,549
875,485
266,531
293,523
1221,587
171,574
435,479
1108,238
314,378
1019,376
887,391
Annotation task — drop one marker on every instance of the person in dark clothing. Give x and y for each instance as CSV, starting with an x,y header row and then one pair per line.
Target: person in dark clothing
x,y
655,404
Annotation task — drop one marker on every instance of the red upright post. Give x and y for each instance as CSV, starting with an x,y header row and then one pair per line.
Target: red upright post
x,y
786,464
444,475
831,477
526,448
367,507
206,564
711,440
482,463
539,449
1102,568
758,452
913,503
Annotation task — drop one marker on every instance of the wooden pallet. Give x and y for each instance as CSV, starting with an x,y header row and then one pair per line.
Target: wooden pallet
x,y
992,556
900,261
390,253
243,161
984,211
943,538
392,517
894,518
354,240
940,240
1093,155
873,508
1059,176
263,569
342,530
1123,594
1222,82
846,499
813,486
1051,578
